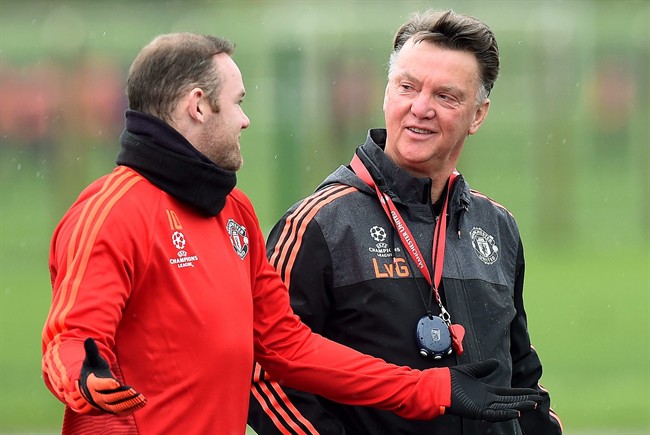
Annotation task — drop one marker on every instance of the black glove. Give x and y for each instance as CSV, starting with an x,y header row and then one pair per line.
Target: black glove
x,y
472,398
101,389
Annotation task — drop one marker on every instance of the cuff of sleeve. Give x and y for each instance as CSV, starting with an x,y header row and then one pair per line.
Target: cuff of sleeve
x,y
76,402
430,397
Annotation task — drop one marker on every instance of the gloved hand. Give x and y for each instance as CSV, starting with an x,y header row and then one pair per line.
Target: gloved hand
x,y
471,398
101,389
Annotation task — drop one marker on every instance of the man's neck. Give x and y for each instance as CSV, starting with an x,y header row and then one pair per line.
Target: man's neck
x,y
438,185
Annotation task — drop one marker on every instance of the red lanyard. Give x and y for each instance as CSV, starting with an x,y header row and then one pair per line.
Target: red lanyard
x,y
439,236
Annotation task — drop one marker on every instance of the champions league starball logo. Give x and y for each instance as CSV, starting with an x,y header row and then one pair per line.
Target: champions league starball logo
x,y
183,259
484,246
178,239
381,248
378,233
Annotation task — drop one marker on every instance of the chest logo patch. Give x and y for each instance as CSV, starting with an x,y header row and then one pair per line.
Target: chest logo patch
x,y
484,246
183,260
381,248
238,237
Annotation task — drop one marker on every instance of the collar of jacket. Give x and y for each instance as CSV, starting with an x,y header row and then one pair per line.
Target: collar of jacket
x,y
165,158
398,183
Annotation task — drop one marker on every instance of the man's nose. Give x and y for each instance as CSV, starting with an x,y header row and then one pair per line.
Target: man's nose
x,y
422,106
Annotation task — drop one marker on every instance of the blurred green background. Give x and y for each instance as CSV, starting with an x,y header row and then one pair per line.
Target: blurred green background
x,y
565,148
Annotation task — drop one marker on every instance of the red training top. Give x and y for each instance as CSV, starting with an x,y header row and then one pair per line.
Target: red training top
x,y
180,303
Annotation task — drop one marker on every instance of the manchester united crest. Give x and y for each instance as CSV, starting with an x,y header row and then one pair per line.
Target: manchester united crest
x,y
484,246
238,238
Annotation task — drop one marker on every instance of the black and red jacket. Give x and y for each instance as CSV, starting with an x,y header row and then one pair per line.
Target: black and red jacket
x,y
351,280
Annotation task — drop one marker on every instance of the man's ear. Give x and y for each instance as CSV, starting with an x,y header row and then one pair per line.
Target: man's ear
x,y
479,116
197,104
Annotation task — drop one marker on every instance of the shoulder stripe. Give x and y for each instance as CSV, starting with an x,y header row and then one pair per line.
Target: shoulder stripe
x,y
284,254
88,213
480,195
297,213
79,249
278,407
83,237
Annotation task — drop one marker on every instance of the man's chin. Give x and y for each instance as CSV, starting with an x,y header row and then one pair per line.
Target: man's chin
x,y
234,167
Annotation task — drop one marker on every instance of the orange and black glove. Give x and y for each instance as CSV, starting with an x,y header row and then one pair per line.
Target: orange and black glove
x,y
471,398
100,388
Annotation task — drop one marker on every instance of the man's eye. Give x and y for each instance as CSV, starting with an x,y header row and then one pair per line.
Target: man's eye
x,y
448,99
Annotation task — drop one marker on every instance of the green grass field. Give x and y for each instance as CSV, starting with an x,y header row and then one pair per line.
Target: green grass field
x,y
588,312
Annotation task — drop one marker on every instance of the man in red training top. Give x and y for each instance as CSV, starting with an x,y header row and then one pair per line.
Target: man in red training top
x,y
162,293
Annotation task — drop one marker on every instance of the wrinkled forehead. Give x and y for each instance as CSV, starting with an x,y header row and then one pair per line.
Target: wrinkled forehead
x,y
428,55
